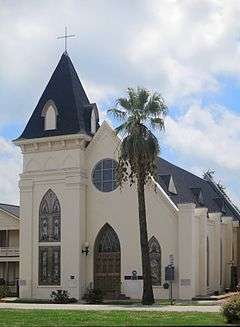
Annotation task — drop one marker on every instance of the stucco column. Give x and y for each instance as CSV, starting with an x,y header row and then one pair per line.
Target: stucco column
x,y
25,237
215,255
187,250
228,249
201,214
238,246
235,242
73,261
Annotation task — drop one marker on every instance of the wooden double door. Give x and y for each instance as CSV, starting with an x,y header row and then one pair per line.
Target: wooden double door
x,y
107,262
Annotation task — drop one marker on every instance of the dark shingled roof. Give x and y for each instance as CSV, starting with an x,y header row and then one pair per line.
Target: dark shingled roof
x,y
12,209
186,185
74,108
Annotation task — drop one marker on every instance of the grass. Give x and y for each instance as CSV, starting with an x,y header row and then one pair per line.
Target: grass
x,y
44,318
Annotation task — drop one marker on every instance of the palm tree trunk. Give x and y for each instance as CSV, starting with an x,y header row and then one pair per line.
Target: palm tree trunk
x,y
147,297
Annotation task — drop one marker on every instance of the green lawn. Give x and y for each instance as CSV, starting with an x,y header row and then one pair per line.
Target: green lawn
x,y
44,318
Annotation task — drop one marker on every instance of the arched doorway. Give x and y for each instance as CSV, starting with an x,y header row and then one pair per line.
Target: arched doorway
x,y
107,262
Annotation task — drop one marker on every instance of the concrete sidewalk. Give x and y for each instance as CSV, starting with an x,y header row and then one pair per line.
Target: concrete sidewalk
x,y
106,307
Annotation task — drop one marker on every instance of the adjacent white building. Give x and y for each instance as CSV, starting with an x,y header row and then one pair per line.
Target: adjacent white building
x,y
79,229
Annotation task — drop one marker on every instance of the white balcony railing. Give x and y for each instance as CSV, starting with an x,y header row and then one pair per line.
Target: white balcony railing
x,y
9,252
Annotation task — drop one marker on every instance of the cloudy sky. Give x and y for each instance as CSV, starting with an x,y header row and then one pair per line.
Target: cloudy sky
x,y
189,50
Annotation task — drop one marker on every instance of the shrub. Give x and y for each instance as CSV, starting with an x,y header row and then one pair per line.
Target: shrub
x,y
62,297
93,296
231,309
4,291
2,281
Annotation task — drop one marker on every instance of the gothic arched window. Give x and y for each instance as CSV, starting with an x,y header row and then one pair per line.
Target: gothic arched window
x,y
49,218
107,240
50,115
155,255
93,122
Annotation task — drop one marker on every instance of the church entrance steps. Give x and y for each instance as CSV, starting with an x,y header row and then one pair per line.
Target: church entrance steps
x,y
115,296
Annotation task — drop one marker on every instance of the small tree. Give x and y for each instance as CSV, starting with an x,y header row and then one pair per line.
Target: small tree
x,y
137,157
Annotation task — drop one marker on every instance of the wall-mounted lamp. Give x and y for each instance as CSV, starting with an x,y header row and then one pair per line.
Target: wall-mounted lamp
x,y
85,248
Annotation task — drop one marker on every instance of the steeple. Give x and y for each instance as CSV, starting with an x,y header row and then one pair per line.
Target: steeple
x,y
73,109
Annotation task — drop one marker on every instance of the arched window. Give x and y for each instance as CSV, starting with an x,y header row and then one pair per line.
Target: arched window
x,y
49,231
155,254
93,122
107,240
49,218
208,262
50,116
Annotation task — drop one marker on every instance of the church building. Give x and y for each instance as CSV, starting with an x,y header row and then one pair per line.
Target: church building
x,y
78,229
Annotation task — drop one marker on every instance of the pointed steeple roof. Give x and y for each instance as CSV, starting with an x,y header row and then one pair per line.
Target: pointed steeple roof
x,y
73,107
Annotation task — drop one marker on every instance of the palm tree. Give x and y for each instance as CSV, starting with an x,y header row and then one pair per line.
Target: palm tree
x,y
138,152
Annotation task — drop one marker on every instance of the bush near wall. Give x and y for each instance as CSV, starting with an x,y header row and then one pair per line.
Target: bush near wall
x,y
62,297
4,291
231,309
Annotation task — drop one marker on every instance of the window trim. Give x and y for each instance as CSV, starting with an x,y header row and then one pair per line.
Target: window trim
x,y
153,239
44,114
92,174
60,266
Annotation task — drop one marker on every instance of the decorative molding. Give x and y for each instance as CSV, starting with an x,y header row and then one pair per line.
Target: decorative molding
x,y
55,143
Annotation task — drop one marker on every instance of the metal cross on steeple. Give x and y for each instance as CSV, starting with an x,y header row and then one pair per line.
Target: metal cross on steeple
x,y
65,37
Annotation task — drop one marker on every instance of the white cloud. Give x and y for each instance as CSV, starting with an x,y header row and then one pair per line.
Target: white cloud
x,y
208,138
180,48
10,167
177,47
188,44
211,134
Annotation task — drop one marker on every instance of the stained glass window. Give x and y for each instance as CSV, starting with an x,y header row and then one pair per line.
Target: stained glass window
x,y
50,218
107,240
104,175
155,260
49,265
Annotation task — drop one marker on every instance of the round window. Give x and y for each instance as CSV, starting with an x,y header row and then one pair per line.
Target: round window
x,y
104,175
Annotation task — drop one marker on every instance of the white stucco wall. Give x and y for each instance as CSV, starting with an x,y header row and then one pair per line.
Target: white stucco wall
x,y
119,209
65,165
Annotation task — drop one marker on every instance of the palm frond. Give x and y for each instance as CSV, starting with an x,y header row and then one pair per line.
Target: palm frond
x,y
117,113
156,106
121,128
143,96
157,123
124,103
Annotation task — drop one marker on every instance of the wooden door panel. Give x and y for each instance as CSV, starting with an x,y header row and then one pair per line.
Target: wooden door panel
x,y
107,272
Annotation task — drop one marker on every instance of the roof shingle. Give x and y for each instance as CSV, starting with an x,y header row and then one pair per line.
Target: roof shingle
x,y
74,108
185,182
12,209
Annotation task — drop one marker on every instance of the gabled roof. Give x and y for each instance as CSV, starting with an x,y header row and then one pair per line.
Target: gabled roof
x,y
10,208
74,109
187,184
